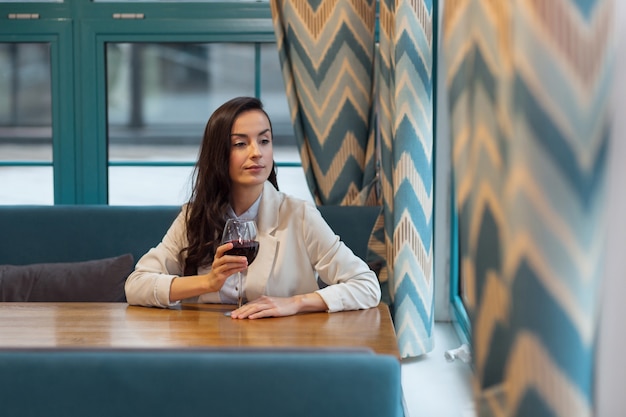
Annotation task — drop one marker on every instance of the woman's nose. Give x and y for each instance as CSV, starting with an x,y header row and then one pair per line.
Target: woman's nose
x,y
255,149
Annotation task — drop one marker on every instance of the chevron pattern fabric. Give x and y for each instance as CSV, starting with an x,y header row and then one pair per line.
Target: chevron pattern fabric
x,y
406,142
326,48
329,62
528,85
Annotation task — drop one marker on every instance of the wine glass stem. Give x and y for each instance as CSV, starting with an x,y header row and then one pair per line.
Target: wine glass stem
x,y
240,290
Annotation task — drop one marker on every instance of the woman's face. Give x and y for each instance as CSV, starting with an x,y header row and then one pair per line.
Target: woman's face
x,y
251,151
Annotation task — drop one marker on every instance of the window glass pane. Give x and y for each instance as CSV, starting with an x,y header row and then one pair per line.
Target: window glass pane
x,y
25,83
25,123
290,179
274,97
171,86
149,185
160,97
140,185
26,185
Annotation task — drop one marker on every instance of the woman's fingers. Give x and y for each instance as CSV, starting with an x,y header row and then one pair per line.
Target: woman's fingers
x,y
265,307
228,264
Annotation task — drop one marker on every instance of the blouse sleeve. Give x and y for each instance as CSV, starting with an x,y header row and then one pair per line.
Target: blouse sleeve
x,y
149,284
352,285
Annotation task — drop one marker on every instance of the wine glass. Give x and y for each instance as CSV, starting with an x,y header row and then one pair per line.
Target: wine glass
x,y
242,234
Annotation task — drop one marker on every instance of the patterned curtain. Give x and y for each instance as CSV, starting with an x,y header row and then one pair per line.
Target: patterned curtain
x,y
326,48
406,142
528,84
328,56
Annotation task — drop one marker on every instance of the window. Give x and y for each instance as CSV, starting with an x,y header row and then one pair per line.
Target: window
x,y
35,65
25,121
458,290
118,94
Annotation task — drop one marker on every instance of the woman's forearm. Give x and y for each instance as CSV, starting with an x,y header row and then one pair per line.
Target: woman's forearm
x,y
187,287
310,302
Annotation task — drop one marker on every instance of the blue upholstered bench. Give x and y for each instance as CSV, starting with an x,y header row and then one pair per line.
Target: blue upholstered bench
x,y
89,250
113,382
94,383
84,232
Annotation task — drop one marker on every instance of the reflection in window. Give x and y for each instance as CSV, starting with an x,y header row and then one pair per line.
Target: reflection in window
x,y
165,92
159,98
25,104
25,124
274,98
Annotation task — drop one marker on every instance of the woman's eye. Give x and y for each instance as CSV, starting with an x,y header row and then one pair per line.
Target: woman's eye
x,y
239,144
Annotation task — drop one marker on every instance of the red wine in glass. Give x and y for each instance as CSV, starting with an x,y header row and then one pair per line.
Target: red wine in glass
x,y
242,234
247,248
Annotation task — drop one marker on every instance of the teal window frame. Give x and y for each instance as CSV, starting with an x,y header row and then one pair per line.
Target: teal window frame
x,y
78,31
458,311
58,34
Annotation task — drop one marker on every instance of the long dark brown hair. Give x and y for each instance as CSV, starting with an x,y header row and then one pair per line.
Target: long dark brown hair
x,y
212,184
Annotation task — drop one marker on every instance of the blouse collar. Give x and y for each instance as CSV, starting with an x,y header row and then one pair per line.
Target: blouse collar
x,y
249,214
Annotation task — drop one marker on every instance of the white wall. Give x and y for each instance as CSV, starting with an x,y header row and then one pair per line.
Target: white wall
x,y
611,359
442,189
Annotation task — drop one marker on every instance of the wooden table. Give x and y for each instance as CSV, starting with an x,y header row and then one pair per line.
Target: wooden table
x,y
46,325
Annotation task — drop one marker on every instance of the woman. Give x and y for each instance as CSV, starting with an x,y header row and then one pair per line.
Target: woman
x,y
235,177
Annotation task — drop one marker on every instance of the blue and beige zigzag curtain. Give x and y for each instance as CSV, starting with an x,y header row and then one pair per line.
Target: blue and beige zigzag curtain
x,y
328,54
326,50
528,89
405,117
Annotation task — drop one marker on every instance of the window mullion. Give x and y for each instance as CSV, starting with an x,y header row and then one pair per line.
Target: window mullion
x,y
63,110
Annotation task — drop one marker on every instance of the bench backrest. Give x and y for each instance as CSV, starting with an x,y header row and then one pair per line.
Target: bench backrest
x,y
36,234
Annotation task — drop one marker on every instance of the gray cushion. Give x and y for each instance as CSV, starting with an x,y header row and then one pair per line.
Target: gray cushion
x,y
96,280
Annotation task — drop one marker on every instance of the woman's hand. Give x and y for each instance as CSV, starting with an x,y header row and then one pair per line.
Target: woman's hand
x,y
224,266
280,306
